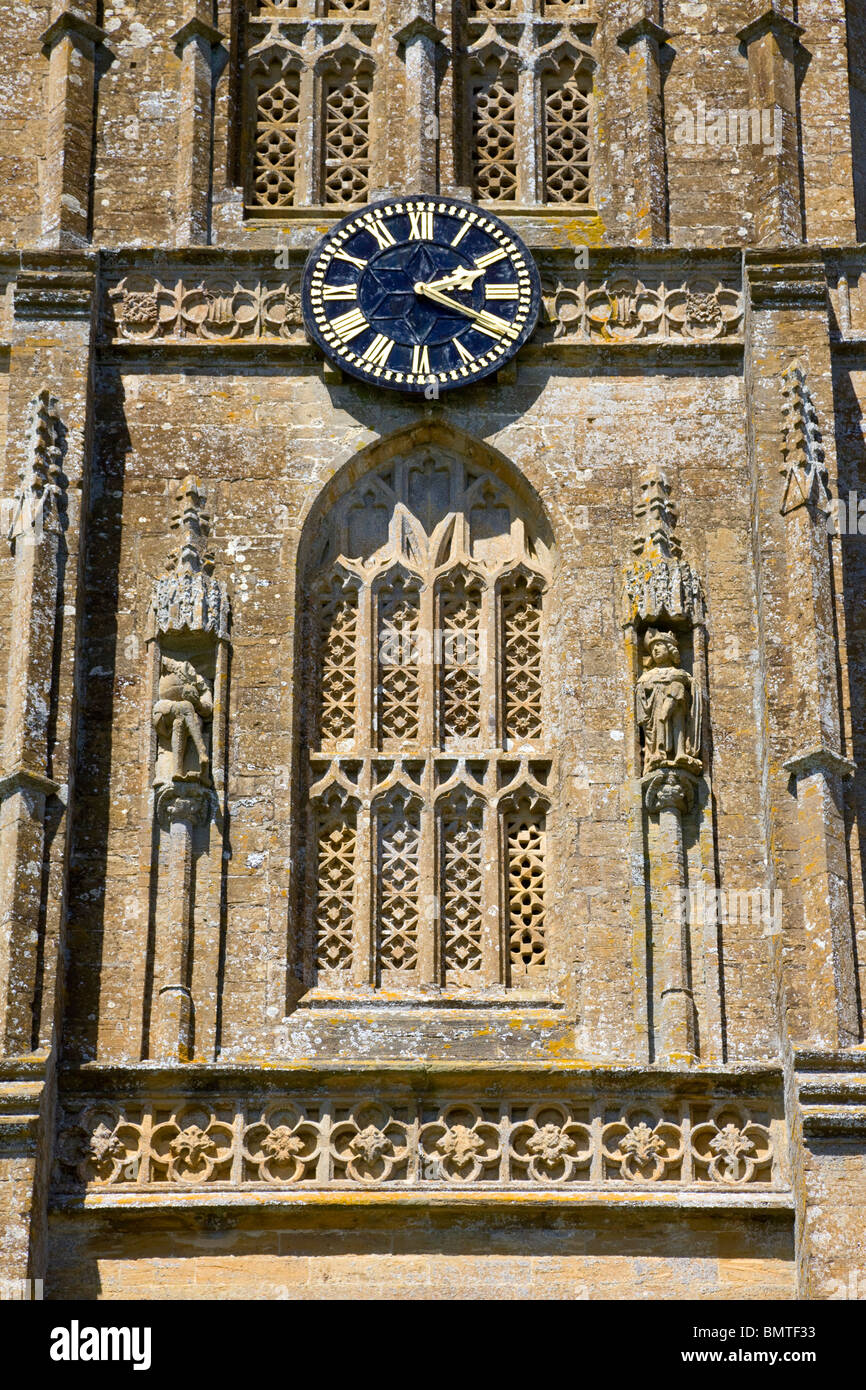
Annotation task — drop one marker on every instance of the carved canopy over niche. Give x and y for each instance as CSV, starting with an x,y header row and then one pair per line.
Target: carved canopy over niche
x,y
425,736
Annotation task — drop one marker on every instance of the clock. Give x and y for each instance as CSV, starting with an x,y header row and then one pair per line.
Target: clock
x,y
419,293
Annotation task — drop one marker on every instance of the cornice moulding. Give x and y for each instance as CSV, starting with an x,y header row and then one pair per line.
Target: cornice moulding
x,y
147,1205
154,1078
820,759
70,22
771,22
779,278
196,28
419,27
645,28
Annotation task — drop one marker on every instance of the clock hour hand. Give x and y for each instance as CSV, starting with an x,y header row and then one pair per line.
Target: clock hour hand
x,y
460,279
439,298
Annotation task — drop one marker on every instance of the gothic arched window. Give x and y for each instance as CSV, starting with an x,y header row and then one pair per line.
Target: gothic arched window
x,y
427,764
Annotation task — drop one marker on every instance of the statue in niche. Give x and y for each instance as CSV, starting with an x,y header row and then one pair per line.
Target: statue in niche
x,y
185,704
669,707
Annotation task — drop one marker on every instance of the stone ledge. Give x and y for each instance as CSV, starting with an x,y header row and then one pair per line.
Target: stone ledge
x,y
807,1059
787,278
26,780
18,1131
31,1066
831,1091
76,26
645,28
829,1122
152,1077
53,291
188,1202
196,28
21,1101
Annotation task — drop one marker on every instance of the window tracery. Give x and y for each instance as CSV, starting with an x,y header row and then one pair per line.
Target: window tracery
x,y
308,84
320,81
427,763
528,86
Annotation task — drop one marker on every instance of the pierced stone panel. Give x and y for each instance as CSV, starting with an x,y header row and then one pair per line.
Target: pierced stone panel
x,y
347,102
338,635
461,889
521,642
399,886
460,667
494,151
276,138
526,839
567,167
335,879
399,663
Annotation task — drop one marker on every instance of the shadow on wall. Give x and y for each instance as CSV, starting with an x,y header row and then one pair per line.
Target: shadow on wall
x,y
851,454
856,10
88,859
415,1255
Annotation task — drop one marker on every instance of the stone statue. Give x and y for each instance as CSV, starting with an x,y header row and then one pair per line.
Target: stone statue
x,y
185,703
668,707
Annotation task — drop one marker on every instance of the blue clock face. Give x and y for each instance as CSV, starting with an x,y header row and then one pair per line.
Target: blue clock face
x,y
420,293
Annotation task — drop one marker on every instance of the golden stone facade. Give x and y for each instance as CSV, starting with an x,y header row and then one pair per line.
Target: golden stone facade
x,y
430,853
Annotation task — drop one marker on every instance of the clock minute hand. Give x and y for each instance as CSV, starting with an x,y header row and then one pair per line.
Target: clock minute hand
x,y
487,322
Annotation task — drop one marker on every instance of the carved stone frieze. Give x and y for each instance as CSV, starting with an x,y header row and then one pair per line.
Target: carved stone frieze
x,y
211,308
361,1142
623,308
231,306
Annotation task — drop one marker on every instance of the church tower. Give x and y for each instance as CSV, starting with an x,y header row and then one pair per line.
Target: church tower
x,y
432,652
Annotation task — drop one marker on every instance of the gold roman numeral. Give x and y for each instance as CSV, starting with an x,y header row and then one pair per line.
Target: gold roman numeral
x,y
377,228
353,260
379,350
501,292
420,359
420,224
347,326
340,292
491,324
491,258
464,355
461,234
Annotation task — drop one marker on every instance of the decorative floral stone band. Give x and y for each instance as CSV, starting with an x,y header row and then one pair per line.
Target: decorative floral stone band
x,y
211,308
320,1144
625,308
224,307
